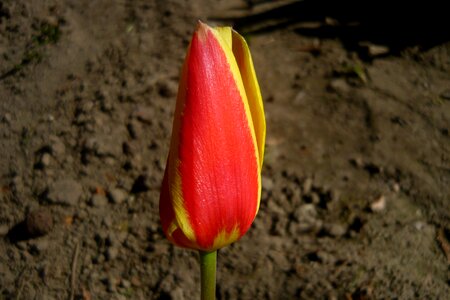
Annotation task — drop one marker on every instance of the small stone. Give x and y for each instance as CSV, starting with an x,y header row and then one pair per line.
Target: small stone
x,y
445,94
17,184
4,229
87,106
66,192
307,185
45,160
111,283
112,253
335,195
267,183
305,212
357,162
379,204
125,284
106,105
144,114
335,229
130,148
135,281
98,259
326,257
315,198
177,294
117,195
306,219
57,147
6,118
50,118
39,246
396,187
135,129
103,145
99,200
22,245
374,50
39,222
339,86
419,225
166,88
107,221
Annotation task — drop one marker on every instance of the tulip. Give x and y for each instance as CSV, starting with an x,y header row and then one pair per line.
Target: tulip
x,y
212,183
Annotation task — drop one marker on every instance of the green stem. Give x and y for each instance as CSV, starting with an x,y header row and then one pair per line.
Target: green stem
x,y
208,274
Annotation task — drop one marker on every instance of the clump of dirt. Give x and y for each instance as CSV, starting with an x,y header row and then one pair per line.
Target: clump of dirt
x,y
355,200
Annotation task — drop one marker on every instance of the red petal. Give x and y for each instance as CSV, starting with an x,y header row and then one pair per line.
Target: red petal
x,y
216,152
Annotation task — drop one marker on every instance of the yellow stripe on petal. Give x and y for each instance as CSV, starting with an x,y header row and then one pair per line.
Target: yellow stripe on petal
x,y
172,227
181,214
244,60
225,238
241,65
225,34
223,38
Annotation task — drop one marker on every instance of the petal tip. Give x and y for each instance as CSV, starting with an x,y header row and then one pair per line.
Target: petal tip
x,y
201,30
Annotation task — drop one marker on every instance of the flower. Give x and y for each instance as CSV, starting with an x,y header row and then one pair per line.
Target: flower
x,y
212,183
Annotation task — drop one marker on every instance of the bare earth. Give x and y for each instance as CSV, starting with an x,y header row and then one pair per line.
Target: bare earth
x,y
356,179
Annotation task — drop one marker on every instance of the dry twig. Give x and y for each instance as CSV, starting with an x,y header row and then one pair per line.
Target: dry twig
x,y
73,277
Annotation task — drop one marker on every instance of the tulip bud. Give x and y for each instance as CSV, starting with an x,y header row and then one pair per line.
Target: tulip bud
x,y
212,183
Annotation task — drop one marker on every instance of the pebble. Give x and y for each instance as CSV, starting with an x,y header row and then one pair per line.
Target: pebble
x,y
99,259
167,88
307,185
103,145
99,200
111,283
419,225
45,160
39,222
135,281
106,105
306,217
144,114
374,50
339,86
335,229
177,294
22,245
267,183
326,257
315,198
357,162
117,195
6,118
305,212
335,195
4,229
445,94
396,187
112,253
135,129
125,283
65,191
39,246
107,221
87,106
379,204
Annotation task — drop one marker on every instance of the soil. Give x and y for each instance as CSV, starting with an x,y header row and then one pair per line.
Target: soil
x,y
356,178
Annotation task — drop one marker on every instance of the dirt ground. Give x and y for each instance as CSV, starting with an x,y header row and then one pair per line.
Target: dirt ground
x,y
356,178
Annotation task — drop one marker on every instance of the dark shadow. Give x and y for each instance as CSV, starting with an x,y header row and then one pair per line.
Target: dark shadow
x,y
18,233
396,24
